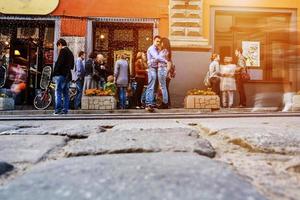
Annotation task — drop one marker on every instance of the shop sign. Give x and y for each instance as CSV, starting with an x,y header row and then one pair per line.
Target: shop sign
x,y
28,7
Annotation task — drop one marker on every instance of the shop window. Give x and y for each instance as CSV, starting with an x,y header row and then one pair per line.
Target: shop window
x,y
278,60
101,38
123,35
265,38
113,37
145,39
28,32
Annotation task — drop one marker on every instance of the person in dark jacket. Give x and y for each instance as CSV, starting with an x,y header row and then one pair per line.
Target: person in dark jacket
x,y
62,77
101,71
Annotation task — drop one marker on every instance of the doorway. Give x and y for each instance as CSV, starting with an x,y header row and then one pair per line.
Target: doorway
x,y
111,37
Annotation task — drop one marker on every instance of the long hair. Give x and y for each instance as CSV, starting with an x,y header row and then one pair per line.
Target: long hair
x,y
213,56
139,55
167,45
80,53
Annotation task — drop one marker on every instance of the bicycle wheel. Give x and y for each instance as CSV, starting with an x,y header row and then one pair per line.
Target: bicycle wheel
x,y
42,101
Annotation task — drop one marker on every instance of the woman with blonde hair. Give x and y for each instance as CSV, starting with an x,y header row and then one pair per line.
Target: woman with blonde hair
x,y
228,85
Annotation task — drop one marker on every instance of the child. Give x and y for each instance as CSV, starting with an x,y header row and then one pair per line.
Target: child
x,y
110,85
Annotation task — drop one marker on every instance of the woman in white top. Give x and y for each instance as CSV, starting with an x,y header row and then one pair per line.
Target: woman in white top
x,y
228,85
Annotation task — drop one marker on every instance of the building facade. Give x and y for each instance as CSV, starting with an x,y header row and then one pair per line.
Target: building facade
x,y
196,28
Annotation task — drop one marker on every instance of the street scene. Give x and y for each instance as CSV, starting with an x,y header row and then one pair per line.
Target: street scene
x,y
160,99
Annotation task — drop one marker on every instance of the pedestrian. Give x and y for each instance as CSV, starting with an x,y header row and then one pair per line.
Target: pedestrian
x,y
241,68
89,82
101,70
214,73
79,78
228,85
153,59
121,74
163,70
62,77
140,76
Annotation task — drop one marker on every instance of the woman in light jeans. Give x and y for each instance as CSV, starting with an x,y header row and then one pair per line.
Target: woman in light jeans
x,y
162,71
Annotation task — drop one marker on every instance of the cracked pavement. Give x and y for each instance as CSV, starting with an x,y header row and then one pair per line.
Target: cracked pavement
x,y
226,159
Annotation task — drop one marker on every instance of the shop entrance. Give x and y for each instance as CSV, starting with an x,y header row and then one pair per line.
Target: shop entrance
x,y
26,47
109,38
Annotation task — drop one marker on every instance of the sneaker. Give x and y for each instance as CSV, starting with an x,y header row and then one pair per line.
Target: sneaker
x,y
56,113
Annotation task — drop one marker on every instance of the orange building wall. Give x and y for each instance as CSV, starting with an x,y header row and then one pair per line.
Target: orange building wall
x,y
153,9
73,26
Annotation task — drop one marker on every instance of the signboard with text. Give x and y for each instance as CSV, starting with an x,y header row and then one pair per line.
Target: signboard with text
x,y
28,7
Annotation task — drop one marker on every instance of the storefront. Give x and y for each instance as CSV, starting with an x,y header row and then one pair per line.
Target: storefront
x,y
27,45
196,29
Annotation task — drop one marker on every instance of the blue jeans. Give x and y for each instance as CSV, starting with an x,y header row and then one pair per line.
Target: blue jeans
x,y
162,77
79,87
152,76
61,91
122,97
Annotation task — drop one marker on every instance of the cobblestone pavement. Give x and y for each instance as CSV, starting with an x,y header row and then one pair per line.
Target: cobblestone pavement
x,y
207,159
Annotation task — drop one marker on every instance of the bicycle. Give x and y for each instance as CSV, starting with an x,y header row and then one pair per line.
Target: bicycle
x,y
44,99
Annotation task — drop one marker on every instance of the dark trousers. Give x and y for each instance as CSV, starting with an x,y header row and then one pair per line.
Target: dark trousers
x,y
139,89
215,85
241,90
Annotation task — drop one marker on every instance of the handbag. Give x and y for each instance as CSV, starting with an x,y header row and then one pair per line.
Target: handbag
x,y
206,80
245,76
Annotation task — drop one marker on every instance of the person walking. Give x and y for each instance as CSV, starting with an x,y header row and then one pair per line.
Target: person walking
x,y
140,76
153,59
121,74
241,68
62,76
228,85
79,78
214,73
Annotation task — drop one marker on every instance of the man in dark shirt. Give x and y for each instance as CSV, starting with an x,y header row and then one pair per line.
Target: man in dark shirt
x,y
62,77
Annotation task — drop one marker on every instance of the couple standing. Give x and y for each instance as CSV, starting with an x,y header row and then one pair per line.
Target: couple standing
x,y
159,58
228,78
